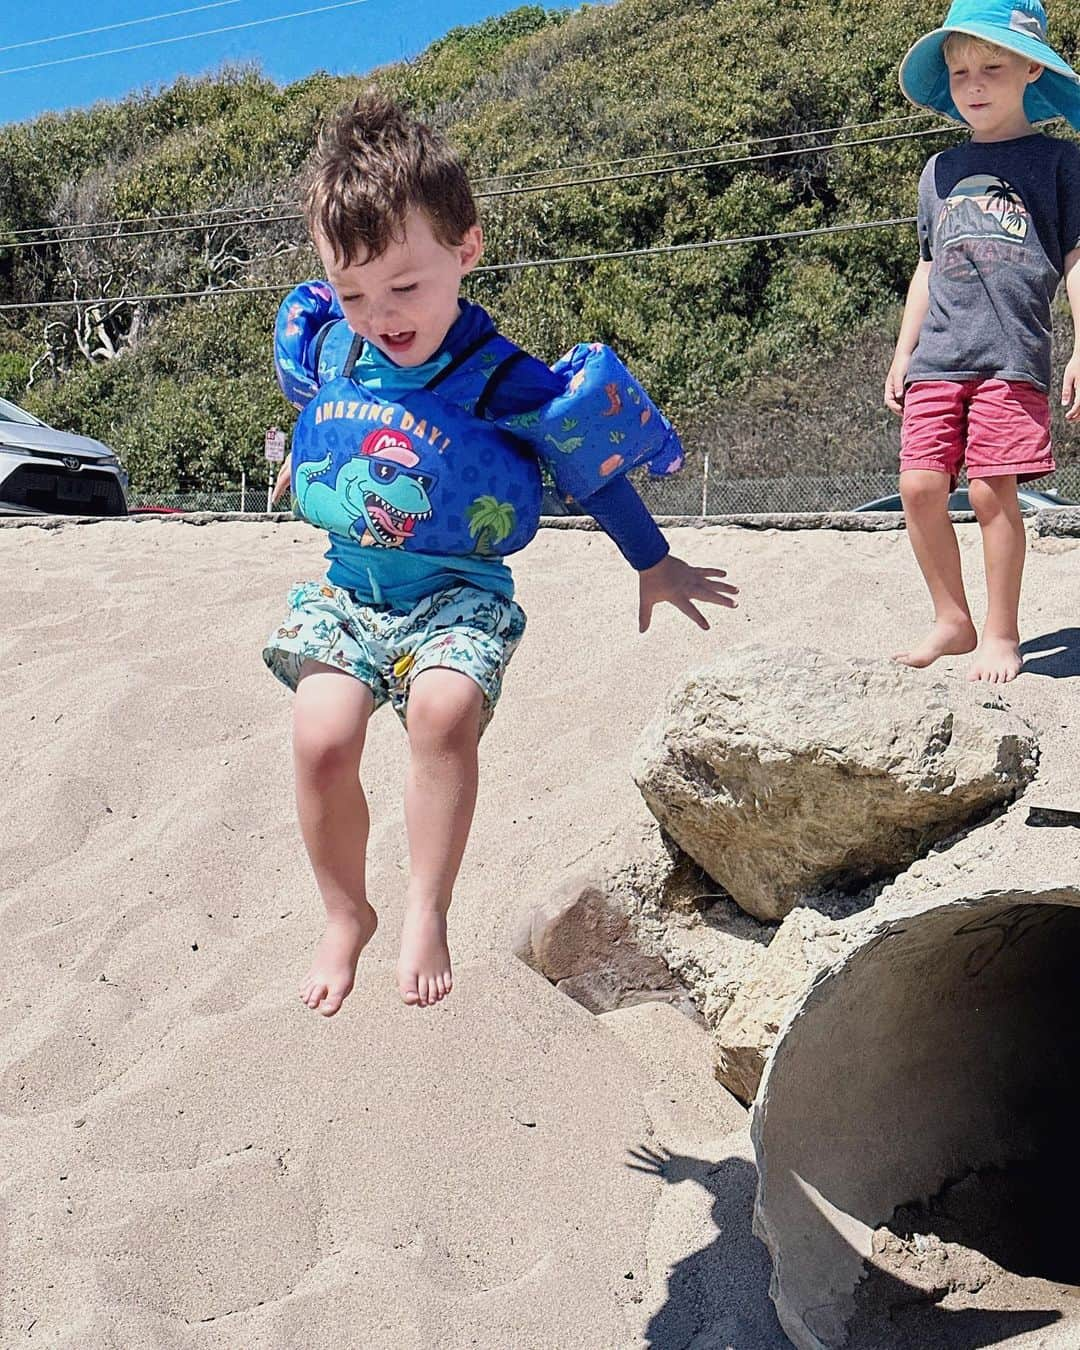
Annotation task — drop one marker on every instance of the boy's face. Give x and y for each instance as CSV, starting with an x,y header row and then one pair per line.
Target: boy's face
x,y
988,86
406,300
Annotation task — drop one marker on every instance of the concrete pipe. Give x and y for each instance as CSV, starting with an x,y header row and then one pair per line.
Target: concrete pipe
x,y
924,1097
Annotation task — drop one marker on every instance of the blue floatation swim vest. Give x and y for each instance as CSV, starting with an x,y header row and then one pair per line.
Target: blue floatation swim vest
x,y
311,341
429,471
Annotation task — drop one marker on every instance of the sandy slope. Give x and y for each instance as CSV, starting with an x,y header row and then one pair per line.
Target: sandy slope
x,y
187,1157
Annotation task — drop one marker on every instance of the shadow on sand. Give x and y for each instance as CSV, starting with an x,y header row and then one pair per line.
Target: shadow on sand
x,y
721,1293
718,1296
1054,654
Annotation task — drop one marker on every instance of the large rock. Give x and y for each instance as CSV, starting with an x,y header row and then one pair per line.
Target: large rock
x,y
786,772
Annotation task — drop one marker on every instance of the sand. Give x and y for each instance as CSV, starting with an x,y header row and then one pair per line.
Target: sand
x,y
983,1256
188,1158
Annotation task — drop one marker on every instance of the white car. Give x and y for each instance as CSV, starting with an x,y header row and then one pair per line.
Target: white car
x,y
44,471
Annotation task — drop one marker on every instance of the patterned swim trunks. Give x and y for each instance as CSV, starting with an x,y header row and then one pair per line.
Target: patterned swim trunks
x,y
462,628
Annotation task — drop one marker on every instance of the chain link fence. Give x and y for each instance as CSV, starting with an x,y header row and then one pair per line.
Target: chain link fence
x,y
690,493
239,499
714,495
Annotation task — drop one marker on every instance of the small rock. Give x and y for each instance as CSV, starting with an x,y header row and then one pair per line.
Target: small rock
x,y
572,933
767,993
602,991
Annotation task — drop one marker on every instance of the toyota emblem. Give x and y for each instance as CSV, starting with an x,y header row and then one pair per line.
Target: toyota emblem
x,y
71,462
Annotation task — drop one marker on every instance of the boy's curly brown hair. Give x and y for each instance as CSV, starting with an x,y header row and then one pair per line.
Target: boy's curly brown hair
x,y
372,166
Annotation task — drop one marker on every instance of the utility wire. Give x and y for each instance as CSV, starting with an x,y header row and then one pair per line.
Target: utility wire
x,y
730,144
710,164
184,37
140,220
816,231
564,168
109,27
141,234
504,192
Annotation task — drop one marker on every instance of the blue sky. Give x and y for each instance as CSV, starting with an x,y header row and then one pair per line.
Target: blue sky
x,y
352,38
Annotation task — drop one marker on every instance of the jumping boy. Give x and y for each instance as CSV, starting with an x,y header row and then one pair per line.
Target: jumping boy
x,y
417,449
999,226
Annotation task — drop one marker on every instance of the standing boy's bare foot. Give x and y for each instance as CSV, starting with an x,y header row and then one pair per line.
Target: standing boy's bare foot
x,y
998,661
423,971
944,639
333,969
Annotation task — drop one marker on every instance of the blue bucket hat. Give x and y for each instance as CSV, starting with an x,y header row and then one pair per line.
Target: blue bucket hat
x,y
1017,25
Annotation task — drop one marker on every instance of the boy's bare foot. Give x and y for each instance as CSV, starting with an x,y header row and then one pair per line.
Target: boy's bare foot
x,y
944,639
998,661
333,969
423,970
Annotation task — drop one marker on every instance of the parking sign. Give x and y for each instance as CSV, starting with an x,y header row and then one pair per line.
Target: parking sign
x,y
275,445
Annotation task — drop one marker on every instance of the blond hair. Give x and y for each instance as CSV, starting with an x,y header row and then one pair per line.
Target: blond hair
x,y
373,165
958,43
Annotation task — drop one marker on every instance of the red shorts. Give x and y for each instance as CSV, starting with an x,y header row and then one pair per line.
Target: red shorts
x,y
997,426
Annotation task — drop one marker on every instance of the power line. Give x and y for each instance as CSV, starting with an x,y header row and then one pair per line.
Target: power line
x,y
857,227
141,234
702,245
503,192
108,27
184,37
138,220
141,299
565,168
730,144
710,164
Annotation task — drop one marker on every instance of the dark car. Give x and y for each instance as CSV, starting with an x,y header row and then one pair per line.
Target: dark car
x,y
55,472
554,503
959,500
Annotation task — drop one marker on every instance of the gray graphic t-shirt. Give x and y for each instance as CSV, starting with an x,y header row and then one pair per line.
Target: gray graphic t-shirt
x,y
997,219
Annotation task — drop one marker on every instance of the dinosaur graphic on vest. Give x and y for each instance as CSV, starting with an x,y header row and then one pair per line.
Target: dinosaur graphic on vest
x,y
378,497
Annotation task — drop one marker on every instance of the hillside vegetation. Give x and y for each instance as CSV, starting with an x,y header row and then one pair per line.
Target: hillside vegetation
x,y
770,353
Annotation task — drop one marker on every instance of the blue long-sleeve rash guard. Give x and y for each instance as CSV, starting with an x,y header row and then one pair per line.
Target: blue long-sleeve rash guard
x,y
378,576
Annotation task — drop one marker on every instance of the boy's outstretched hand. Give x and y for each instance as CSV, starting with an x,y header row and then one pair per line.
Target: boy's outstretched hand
x,y
680,585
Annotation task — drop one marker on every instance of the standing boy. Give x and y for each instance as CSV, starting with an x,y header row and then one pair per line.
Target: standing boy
x,y
417,450
999,227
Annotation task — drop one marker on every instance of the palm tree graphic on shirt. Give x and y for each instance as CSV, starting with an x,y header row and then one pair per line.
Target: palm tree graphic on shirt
x,y
983,206
1009,205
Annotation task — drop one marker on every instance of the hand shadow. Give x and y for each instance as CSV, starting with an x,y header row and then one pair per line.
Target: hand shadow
x,y
1054,654
719,1294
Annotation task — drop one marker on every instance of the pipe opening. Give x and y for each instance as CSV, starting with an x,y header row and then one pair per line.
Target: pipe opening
x,y
920,1110
1022,1216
